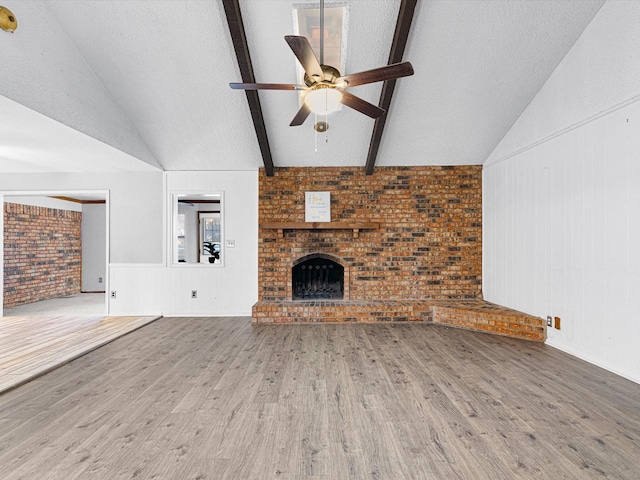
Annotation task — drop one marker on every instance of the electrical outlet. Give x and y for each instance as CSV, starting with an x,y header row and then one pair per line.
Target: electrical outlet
x,y
99,279
557,323
113,294
194,294
549,321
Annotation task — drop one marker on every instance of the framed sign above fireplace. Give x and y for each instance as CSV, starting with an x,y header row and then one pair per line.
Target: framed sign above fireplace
x,y
317,207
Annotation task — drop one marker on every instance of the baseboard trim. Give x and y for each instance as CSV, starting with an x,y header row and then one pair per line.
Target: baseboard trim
x,y
610,368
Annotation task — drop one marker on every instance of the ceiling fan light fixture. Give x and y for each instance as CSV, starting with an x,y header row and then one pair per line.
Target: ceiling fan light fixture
x,y
8,20
323,101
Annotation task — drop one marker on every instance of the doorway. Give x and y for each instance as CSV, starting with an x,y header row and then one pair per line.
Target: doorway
x,y
58,243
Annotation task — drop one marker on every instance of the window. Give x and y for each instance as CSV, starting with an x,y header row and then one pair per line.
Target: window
x,y
180,234
210,246
197,233
306,22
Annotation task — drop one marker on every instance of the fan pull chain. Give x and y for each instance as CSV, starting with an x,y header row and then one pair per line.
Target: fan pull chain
x,y
326,135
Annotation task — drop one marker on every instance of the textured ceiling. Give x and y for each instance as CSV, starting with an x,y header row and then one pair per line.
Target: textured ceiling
x,y
162,68
33,143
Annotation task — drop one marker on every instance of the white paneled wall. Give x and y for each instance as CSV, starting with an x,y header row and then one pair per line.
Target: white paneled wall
x,y
562,212
230,290
140,289
562,238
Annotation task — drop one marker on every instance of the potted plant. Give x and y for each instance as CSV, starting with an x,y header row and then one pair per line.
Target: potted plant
x,y
213,250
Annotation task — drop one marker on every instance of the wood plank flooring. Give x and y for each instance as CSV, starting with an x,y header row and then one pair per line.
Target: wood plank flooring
x,y
31,346
219,398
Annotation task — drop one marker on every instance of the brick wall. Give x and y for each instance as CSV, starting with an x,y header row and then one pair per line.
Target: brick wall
x,y
429,244
42,253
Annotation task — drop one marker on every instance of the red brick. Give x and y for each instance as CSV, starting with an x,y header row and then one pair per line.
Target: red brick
x,y
42,253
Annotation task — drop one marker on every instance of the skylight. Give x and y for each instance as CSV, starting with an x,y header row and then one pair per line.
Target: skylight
x,y
306,22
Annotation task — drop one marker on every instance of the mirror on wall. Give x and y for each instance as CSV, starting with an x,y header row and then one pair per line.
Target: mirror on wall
x,y
198,226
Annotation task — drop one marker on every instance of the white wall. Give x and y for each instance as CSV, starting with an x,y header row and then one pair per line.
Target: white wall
x,y
561,198
135,207
2,257
190,213
230,290
94,247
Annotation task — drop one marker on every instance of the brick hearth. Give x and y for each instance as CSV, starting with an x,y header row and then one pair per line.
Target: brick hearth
x,y
468,314
312,311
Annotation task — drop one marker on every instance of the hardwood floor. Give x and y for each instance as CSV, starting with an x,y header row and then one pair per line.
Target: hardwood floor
x,y
32,346
219,398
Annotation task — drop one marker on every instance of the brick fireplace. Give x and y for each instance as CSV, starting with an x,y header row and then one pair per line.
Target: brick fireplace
x,y
428,244
409,240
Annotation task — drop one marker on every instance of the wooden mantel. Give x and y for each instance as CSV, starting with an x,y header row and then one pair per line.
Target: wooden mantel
x,y
355,226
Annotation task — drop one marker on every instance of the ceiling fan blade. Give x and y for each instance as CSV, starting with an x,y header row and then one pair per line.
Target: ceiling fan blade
x,y
361,105
301,116
266,86
389,72
303,51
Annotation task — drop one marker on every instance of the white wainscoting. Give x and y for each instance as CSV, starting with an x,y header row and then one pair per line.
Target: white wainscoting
x,y
160,290
140,289
562,238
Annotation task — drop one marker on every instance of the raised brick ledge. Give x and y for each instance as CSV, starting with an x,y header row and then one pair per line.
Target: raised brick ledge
x,y
474,314
341,311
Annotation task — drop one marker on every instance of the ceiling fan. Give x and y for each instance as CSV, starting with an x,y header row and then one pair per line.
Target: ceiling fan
x,y
324,88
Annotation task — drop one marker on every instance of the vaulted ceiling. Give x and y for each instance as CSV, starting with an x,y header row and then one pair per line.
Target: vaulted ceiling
x,y
136,85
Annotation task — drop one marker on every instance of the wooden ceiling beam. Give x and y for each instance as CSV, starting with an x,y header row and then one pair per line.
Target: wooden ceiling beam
x,y
403,25
239,39
78,200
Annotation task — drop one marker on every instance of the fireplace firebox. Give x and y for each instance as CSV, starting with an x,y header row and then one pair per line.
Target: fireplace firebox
x,y
317,277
